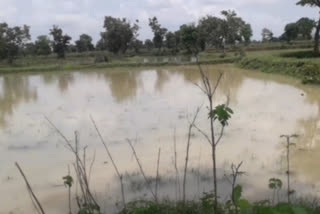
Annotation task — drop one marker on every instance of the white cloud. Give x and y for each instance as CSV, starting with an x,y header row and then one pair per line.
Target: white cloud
x,y
86,16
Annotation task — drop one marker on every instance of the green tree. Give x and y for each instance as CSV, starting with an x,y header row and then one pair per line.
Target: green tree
x,y
136,45
84,43
60,42
291,32
42,45
148,44
189,36
246,33
158,31
235,29
29,49
119,33
210,30
12,40
305,27
267,35
172,42
313,3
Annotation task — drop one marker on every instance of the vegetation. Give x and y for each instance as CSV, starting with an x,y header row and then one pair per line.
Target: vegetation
x,y
313,3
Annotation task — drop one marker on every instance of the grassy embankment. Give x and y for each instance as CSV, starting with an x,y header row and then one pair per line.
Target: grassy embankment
x,y
297,63
85,61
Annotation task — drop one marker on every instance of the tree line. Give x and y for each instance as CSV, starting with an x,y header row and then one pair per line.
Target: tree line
x,y
120,35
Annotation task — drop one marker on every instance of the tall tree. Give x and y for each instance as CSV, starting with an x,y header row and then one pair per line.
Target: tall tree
x,y
267,35
60,42
12,40
305,27
84,43
313,3
148,44
158,31
119,33
210,30
235,28
291,32
42,45
189,36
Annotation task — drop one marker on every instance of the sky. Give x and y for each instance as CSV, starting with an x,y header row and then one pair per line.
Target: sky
x,y
86,16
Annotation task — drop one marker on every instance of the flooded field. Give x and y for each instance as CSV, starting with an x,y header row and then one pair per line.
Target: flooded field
x,y
148,106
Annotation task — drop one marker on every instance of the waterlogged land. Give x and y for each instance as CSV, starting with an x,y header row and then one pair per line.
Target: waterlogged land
x,y
149,106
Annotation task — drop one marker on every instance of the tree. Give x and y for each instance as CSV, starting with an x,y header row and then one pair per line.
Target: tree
x,y
234,28
148,44
84,43
60,42
12,40
246,33
172,42
313,3
267,35
291,32
189,36
210,30
29,49
42,45
136,45
305,27
119,33
158,31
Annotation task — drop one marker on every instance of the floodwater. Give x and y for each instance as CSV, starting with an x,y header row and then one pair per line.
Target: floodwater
x,y
148,106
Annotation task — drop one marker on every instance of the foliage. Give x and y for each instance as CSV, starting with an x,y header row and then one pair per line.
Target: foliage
x,y
222,113
291,32
313,3
12,39
158,31
189,36
67,181
305,27
267,35
307,71
60,42
84,43
42,45
118,35
148,44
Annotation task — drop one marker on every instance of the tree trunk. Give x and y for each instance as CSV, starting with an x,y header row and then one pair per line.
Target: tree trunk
x,y
316,39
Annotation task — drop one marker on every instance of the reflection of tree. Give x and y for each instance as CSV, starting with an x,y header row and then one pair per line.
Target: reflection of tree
x,y
229,85
163,77
123,85
64,80
15,90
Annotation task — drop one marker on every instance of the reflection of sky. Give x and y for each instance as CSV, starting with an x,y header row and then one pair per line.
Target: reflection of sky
x,y
149,105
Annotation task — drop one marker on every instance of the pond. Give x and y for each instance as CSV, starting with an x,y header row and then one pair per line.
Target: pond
x,y
151,106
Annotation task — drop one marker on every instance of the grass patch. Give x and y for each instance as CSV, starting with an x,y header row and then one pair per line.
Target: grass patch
x,y
306,69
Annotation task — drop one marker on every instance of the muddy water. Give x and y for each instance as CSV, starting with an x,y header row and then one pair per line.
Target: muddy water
x,y
149,106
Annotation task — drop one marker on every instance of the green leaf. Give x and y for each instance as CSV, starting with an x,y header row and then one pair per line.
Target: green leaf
x,y
222,113
68,181
237,192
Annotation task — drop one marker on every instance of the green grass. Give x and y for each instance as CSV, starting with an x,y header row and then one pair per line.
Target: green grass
x,y
306,69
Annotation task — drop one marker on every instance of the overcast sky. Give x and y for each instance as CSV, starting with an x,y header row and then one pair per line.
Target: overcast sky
x,y
86,16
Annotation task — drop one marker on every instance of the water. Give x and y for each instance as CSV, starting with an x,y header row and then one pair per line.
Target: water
x,y
147,106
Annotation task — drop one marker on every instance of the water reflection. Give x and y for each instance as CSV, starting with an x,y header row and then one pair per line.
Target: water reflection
x,y
15,90
147,105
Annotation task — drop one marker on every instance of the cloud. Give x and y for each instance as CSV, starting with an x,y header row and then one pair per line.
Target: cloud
x,y
86,16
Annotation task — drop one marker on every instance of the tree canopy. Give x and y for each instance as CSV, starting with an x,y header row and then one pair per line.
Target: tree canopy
x,y
12,40
119,33
158,31
60,42
84,43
